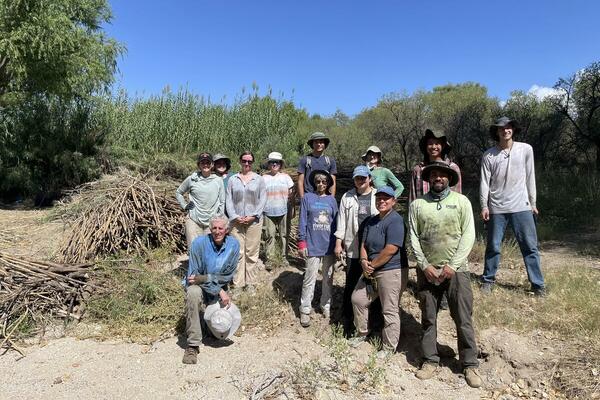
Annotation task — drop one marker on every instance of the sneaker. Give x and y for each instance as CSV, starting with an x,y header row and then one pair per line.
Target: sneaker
x,y
190,356
305,320
486,288
540,292
472,377
357,341
427,370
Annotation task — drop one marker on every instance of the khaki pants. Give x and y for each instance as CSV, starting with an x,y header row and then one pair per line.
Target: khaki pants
x,y
249,238
275,233
193,230
194,305
390,285
313,264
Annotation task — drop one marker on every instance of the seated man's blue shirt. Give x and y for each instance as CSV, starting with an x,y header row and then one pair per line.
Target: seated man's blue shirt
x,y
218,263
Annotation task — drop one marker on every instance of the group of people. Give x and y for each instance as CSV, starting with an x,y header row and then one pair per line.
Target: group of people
x,y
365,233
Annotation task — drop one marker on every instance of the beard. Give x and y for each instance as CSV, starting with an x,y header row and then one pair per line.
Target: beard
x,y
439,187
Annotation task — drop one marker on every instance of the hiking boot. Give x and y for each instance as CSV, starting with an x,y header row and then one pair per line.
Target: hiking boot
x,y
472,377
305,320
486,288
190,356
357,341
540,292
427,370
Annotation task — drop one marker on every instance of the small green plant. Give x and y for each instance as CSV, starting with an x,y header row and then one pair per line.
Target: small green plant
x,y
375,372
339,350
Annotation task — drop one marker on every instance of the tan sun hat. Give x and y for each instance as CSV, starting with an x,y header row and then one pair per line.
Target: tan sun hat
x,y
372,149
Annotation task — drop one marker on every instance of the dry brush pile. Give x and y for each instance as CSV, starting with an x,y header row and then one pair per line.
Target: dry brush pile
x,y
122,214
31,289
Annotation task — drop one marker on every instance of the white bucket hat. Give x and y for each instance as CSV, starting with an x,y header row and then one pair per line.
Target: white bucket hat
x,y
222,322
275,156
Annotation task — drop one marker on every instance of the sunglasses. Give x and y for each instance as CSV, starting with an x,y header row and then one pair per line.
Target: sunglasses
x,y
246,161
321,181
274,162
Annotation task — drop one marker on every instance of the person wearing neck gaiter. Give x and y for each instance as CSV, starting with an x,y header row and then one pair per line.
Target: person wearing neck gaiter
x,y
442,233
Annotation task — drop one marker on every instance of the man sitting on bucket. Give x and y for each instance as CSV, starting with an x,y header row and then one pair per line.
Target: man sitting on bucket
x,y
213,260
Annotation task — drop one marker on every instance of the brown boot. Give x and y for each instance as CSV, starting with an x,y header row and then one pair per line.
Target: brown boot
x,y
472,377
190,356
427,370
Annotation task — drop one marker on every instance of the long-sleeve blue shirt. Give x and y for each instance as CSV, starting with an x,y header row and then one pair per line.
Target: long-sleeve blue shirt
x,y
218,263
317,223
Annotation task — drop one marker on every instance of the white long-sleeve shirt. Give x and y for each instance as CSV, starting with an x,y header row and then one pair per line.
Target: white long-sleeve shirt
x,y
508,179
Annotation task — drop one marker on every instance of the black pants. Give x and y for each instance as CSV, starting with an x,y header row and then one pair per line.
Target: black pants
x,y
460,302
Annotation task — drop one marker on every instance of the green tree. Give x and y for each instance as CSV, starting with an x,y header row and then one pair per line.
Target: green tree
x,y
54,48
464,112
579,102
542,127
54,57
397,122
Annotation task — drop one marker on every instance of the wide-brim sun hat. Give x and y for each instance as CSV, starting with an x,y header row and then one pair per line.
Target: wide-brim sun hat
x,y
437,134
222,322
312,175
440,166
220,156
501,123
372,149
318,136
275,156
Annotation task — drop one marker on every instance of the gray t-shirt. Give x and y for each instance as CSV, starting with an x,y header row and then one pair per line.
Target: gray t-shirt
x,y
364,206
378,233
508,179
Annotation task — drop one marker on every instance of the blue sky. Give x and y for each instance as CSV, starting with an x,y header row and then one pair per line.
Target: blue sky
x,y
328,55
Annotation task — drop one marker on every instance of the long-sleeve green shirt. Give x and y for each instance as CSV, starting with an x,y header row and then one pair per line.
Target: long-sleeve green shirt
x,y
442,233
384,177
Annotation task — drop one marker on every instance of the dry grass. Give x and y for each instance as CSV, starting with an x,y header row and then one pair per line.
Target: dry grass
x,y
262,309
511,254
139,301
571,311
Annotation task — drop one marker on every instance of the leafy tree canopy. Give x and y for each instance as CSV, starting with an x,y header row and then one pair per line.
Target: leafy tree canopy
x,y
54,47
